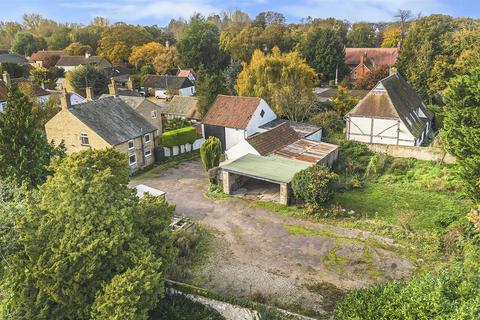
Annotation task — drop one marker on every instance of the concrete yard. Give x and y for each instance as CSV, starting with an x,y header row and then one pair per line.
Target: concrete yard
x,y
292,263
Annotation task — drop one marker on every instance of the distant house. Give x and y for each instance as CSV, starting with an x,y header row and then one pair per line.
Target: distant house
x,y
188,73
361,61
152,112
233,119
121,75
37,59
391,113
11,57
163,87
70,63
104,123
183,107
41,94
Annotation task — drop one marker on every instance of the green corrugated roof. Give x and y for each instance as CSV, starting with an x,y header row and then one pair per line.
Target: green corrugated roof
x,y
272,168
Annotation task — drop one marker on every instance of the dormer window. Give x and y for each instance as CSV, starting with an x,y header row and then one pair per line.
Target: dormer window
x,y
262,113
146,138
84,139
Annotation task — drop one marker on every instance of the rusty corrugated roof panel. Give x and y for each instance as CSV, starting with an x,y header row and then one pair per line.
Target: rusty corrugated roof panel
x,y
307,150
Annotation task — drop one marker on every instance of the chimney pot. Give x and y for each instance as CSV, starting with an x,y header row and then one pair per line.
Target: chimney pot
x,y
89,93
130,84
6,79
392,71
65,100
112,88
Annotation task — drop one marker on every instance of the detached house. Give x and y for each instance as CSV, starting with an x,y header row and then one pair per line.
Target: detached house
x,y
165,86
233,119
41,94
104,123
361,61
39,58
183,107
391,113
70,63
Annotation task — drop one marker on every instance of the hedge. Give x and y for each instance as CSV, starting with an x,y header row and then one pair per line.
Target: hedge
x,y
179,137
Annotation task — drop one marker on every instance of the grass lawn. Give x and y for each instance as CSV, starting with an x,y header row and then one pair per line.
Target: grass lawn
x,y
389,202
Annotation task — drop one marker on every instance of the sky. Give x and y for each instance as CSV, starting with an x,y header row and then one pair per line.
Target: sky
x,y
160,12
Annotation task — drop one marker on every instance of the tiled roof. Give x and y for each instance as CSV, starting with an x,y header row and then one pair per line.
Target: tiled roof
x,y
112,119
377,56
42,55
184,106
167,82
185,72
232,111
394,98
74,61
12,58
271,140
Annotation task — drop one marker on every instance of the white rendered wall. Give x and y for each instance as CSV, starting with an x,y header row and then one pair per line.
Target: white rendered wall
x,y
186,92
233,136
239,150
384,131
257,121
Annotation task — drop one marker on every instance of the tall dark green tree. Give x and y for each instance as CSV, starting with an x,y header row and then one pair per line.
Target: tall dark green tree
x,y
84,246
24,151
199,46
89,76
421,46
59,39
26,43
324,52
461,130
361,35
208,86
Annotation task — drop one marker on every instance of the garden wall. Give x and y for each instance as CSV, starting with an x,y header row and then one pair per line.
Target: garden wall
x,y
176,150
420,153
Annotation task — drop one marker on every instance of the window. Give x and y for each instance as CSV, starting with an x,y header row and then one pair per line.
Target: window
x,y
262,113
154,114
84,139
132,159
131,145
148,153
146,138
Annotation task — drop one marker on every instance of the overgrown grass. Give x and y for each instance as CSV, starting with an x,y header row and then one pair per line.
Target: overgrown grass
x,y
215,192
170,163
388,202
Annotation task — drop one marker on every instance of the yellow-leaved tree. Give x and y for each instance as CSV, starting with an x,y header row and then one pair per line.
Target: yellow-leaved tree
x,y
154,54
391,37
285,81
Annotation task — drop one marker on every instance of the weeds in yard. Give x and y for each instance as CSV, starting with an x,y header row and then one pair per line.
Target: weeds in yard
x,y
215,192
330,293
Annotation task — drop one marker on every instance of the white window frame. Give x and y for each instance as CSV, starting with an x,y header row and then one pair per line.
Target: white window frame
x,y
153,113
145,138
133,144
148,153
84,135
129,159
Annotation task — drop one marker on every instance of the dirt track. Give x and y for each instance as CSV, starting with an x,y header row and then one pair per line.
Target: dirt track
x,y
295,264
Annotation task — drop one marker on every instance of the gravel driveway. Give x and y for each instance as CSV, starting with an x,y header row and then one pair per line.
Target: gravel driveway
x,y
292,263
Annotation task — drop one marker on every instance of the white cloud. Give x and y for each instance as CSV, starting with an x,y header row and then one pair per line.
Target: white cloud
x,y
136,10
361,10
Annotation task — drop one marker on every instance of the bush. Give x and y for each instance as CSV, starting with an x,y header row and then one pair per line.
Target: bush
x,y
179,137
210,153
353,157
179,307
376,165
176,123
449,294
314,185
330,122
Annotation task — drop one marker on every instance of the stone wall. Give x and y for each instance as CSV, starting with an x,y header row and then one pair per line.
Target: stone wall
x,y
420,153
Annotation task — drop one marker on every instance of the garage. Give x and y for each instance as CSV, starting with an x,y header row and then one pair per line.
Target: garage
x,y
252,172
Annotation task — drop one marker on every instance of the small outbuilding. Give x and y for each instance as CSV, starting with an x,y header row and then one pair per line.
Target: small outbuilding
x,y
274,170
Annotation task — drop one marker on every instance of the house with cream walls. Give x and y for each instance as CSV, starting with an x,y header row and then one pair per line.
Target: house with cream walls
x,y
104,123
391,113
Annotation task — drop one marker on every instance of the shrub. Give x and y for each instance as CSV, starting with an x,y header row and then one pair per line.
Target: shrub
x,y
330,122
376,165
210,153
179,137
176,123
179,307
314,185
353,157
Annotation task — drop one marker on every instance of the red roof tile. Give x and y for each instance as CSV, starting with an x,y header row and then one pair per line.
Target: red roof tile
x,y
42,55
232,111
378,56
272,140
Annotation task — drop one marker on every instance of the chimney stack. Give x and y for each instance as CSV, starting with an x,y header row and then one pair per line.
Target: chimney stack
x,y
65,100
89,93
363,58
392,71
6,79
130,84
112,88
